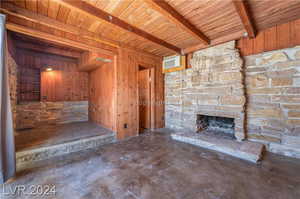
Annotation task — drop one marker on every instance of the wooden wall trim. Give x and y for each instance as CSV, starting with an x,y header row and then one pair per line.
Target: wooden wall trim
x,y
278,37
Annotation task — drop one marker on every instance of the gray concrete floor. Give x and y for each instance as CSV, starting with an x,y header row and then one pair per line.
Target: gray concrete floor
x,y
56,134
153,166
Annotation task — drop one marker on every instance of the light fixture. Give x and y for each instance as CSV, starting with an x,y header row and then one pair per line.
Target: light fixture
x,y
103,59
49,69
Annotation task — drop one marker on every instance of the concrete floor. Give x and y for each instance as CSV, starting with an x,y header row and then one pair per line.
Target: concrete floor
x,y
56,134
153,166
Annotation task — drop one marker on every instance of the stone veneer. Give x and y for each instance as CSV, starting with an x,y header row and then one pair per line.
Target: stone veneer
x,y
34,114
273,110
213,86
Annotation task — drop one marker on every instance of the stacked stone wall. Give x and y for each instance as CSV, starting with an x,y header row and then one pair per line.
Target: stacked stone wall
x,y
262,93
273,90
213,86
35,114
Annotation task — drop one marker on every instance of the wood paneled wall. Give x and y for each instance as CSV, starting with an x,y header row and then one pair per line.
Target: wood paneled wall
x,y
278,37
102,95
127,91
64,83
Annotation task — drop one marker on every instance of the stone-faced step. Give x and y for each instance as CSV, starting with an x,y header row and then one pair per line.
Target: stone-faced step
x,y
27,158
245,150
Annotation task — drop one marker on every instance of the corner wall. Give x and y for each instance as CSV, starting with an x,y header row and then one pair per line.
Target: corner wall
x,y
102,95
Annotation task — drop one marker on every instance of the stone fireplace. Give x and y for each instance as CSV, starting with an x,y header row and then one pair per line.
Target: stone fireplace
x,y
215,124
205,104
212,87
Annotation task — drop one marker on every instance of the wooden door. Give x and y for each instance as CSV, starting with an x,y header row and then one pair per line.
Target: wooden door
x,y
144,99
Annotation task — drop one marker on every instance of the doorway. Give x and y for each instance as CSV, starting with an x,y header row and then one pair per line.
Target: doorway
x,y
145,90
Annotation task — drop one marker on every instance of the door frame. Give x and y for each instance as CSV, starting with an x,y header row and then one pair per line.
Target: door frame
x,y
152,95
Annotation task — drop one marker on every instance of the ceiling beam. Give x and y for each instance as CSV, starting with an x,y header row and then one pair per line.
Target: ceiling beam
x,y
47,49
10,9
55,39
168,11
243,13
214,42
97,13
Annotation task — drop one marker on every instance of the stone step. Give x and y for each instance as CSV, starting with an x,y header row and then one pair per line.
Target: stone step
x,y
29,157
287,150
245,150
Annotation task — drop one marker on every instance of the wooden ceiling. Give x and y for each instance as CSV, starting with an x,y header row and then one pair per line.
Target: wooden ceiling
x,y
215,20
42,46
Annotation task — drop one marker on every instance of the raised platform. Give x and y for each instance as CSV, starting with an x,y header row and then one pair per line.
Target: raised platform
x,y
50,141
245,150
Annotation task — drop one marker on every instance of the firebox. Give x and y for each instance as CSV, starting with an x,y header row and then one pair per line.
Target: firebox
x,y
215,125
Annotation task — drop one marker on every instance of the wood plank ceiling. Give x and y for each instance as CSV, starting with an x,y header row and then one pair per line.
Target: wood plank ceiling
x,y
215,19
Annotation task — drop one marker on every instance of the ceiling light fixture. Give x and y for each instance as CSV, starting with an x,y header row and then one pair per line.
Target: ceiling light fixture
x,y
49,69
103,59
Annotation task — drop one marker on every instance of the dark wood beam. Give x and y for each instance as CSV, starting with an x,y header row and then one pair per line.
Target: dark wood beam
x,y
47,49
10,9
243,13
97,13
55,39
168,11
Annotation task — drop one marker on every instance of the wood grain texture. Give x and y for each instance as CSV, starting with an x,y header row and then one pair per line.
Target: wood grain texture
x,y
144,99
48,49
243,12
79,43
97,13
64,83
102,97
216,19
127,91
90,61
168,11
278,37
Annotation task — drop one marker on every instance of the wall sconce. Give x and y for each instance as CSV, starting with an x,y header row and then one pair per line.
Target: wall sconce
x,y
49,69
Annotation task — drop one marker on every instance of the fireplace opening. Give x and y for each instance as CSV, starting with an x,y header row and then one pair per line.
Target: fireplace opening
x,y
215,125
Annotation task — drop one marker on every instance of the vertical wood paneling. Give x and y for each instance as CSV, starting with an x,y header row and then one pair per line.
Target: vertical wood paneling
x,y
101,96
127,91
270,39
278,37
258,43
295,32
64,83
144,98
283,36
